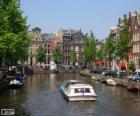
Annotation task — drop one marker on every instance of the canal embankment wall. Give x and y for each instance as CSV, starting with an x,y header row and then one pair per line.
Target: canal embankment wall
x,y
120,81
43,71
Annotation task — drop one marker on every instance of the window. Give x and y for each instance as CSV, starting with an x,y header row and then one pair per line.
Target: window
x,y
76,91
82,90
87,90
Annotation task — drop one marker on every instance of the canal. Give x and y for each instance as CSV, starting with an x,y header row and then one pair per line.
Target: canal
x,y
40,96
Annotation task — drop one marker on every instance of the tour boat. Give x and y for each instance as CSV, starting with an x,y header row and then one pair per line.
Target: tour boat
x,y
111,82
75,90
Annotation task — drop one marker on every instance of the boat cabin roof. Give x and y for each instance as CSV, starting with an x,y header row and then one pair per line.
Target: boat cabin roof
x,y
74,82
81,86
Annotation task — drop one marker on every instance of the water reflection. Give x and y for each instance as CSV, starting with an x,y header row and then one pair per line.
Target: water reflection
x,y
53,82
82,108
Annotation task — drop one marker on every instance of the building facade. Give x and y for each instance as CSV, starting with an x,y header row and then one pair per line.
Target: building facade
x,y
36,41
51,41
135,28
67,40
72,39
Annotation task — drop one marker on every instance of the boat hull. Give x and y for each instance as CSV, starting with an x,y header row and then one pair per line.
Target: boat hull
x,y
81,98
15,83
14,86
111,82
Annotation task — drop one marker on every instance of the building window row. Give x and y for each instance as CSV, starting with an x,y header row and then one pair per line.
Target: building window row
x,y
136,37
136,48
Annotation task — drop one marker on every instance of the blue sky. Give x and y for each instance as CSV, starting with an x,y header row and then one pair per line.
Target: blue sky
x,y
96,15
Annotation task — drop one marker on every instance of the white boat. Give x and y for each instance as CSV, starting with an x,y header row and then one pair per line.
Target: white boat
x,y
111,82
15,83
75,90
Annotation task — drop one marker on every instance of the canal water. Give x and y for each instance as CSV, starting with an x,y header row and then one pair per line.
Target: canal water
x,y
40,96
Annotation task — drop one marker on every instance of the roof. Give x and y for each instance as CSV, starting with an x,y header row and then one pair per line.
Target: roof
x,y
36,29
81,86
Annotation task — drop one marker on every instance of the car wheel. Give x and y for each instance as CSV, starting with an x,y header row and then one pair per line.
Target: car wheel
x,y
138,80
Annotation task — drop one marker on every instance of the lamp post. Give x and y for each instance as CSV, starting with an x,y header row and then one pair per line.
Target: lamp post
x,y
139,62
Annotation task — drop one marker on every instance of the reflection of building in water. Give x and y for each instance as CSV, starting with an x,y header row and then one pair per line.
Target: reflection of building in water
x,y
53,82
13,94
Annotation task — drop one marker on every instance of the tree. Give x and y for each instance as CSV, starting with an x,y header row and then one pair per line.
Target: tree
x,y
89,48
131,67
109,48
73,56
100,53
123,45
13,33
41,56
57,55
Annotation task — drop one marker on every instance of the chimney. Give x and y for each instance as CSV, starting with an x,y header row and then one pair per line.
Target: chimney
x,y
119,21
136,13
129,14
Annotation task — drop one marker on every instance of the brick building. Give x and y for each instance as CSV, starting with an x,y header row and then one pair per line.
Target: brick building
x,y
72,39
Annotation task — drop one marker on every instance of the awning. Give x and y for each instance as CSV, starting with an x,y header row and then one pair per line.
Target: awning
x,y
99,62
122,65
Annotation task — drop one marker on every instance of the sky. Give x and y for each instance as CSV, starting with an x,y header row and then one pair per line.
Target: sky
x,y
95,15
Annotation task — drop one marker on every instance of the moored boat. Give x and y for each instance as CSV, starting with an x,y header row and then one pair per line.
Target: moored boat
x,y
74,90
15,83
111,82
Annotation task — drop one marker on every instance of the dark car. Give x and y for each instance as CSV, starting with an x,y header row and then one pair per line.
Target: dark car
x,y
79,67
110,73
98,70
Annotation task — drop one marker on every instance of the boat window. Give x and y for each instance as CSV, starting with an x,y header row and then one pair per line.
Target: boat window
x,y
87,90
82,90
77,91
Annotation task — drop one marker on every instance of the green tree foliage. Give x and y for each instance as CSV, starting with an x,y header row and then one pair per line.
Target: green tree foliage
x,y
100,53
41,56
73,56
57,55
109,48
131,66
13,32
123,44
89,48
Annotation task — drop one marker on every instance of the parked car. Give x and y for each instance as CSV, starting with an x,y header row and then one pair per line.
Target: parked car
x,y
98,70
135,77
12,68
80,67
110,73
46,66
137,72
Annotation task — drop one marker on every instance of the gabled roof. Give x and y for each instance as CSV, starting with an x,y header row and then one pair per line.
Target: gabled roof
x,y
36,29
